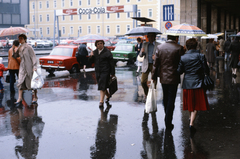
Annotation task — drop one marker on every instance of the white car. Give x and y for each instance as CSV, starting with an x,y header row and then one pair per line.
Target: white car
x,y
40,43
31,43
48,42
1,45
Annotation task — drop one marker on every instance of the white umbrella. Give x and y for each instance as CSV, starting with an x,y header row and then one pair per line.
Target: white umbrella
x,y
13,31
210,36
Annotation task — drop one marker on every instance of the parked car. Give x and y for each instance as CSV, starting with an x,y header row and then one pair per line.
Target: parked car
x,y
40,43
108,45
31,42
1,45
125,52
48,43
62,57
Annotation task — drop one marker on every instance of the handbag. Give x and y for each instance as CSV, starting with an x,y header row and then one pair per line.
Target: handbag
x,y
140,59
208,83
113,87
151,102
7,80
37,81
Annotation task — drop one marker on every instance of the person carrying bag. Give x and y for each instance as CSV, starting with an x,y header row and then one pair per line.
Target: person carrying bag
x,y
151,102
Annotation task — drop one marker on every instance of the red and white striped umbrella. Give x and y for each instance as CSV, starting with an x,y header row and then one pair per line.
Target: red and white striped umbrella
x,y
13,31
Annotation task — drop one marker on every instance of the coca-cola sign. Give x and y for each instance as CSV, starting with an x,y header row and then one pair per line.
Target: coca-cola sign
x,y
115,9
70,11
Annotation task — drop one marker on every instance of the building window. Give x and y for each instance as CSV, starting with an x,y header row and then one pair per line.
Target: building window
x,y
47,17
98,2
128,27
71,30
108,29
139,0
33,5
40,5
139,13
128,1
40,18
118,29
98,29
71,17
63,30
80,2
89,30
98,16
33,18
80,30
71,3
40,31
128,14
63,3
118,15
63,18
118,1
108,15
80,17
150,13
108,1
55,3
89,2
89,16
48,31
47,4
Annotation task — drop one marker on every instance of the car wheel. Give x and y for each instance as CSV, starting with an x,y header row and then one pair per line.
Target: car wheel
x,y
131,61
74,69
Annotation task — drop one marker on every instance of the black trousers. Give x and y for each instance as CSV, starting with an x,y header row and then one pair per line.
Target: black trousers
x,y
169,96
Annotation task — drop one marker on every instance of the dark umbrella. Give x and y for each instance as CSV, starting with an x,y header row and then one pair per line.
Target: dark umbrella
x,y
143,31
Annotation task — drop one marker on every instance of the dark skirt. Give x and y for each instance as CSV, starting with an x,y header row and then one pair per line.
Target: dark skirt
x,y
234,61
83,59
103,81
195,99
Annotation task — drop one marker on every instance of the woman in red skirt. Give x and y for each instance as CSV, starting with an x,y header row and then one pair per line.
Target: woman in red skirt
x,y
194,65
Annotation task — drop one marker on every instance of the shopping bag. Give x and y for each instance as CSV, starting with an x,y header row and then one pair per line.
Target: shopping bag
x,y
151,101
113,87
37,81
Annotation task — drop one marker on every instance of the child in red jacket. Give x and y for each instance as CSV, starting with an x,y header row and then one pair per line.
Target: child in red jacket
x,y
2,68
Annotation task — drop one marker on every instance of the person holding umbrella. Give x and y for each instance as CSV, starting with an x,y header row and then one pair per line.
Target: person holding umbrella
x,y
104,68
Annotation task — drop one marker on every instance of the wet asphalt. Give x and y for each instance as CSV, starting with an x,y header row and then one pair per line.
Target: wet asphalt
x,y
68,124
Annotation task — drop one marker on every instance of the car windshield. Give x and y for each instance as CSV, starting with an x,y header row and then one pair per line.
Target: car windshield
x,y
62,51
123,48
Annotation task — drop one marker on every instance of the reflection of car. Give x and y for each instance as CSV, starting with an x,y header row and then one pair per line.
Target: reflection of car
x,y
61,58
125,52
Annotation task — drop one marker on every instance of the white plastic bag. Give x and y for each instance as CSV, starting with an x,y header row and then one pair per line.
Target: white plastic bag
x,y
37,81
151,101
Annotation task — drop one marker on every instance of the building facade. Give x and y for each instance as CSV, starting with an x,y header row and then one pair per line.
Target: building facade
x,y
108,24
14,13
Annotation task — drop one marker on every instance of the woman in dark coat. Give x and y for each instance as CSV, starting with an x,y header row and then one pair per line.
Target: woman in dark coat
x,y
104,68
194,65
235,48
210,47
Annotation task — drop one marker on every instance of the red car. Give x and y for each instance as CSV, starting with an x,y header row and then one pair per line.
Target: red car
x,y
62,57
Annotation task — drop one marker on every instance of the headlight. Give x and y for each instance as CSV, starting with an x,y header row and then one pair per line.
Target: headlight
x,y
59,62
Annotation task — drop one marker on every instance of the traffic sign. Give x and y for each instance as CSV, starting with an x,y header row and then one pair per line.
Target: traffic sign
x,y
168,25
168,12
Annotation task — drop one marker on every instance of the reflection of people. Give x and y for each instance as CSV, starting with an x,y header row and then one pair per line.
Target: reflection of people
x,y
138,48
105,142
235,48
194,65
27,66
169,147
83,86
2,109
165,66
148,50
210,47
152,143
31,127
13,65
104,68
83,52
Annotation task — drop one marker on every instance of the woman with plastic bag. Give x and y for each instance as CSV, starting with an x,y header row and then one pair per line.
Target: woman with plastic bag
x,y
27,66
194,65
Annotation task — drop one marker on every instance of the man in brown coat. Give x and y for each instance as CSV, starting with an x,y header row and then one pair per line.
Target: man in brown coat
x,y
165,66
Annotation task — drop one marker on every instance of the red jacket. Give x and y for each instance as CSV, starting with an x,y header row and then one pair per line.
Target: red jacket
x,y
2,68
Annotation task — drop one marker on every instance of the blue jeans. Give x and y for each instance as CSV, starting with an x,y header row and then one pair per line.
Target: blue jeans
x,y
1,85
12,79
169,96
227,56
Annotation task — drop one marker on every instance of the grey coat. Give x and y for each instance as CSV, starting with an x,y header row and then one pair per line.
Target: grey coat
x,y
28,63
145,61
211,47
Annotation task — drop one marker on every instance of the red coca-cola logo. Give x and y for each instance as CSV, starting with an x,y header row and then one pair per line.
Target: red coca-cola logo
x,y
115,8
70,11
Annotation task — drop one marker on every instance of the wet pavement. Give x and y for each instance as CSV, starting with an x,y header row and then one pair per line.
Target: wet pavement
x,y
67,122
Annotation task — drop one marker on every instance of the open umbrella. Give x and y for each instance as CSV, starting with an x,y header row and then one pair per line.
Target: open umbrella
x,y
210,36
13,31
136,36
185,30
143,30
219,34
90,38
